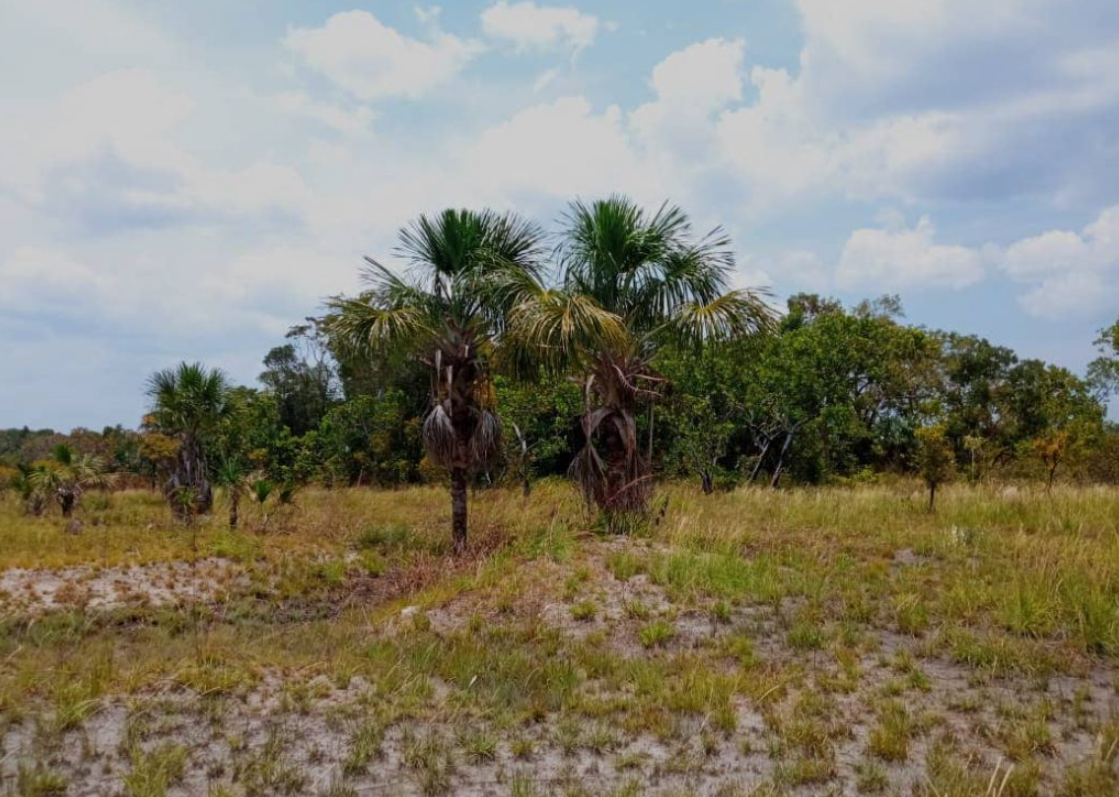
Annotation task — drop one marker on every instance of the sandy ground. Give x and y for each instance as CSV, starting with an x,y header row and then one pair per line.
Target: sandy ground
x,y
262,741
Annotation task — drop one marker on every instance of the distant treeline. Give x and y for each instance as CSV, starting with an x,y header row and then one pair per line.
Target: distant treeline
x,y
835,393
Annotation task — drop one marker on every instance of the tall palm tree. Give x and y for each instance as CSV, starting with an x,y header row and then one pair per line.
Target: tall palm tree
x,y
630,282
188,403
66,476
466,270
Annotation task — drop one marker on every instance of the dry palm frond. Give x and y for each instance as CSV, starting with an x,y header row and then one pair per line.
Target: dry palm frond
x,y
485,442
439,436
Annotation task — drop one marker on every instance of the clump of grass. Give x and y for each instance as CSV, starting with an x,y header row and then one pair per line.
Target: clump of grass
x,y
432,760
721,612
601,739
805,635
624,564
569,735
480,746
155,771
522,785
38,781
584,611
1028,736
637,610
1091,779
266,771
522,748
365,745
657,634
336,789
889,740
388,536
870,778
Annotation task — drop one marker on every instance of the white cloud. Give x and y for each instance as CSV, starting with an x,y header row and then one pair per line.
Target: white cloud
x,y
1064,273
706,75
371,60
346,120
532,27
226,201
547,78
557,149
799,269
892,259
37,279
106,156
1068,272
933,100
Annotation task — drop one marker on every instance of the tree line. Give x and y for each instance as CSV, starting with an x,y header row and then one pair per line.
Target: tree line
x,y
612,351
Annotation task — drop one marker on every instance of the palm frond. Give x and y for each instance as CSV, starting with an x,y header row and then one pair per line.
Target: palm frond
x,y
439,436
555,329
485,442
734,314
188,398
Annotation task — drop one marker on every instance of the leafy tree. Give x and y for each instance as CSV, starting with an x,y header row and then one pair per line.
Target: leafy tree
x,y
301,377
630,282
157,453
66,476
371,439
700,426
834,391
1055,414
1103,372
541,416
703,442
936,460
468,270
973,392
188,403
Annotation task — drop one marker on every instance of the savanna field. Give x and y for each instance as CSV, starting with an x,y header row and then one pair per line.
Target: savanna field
x,y
807,641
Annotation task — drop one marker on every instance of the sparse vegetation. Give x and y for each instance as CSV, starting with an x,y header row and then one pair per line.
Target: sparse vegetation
x,y
805,656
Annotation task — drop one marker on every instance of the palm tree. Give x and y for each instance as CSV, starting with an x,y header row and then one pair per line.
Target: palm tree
x,y
630,283
67,476
188,403
34,500
467,269
234,477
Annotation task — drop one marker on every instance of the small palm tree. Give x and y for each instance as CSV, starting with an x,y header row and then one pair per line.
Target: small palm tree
x,y
234,477
630,282
467,269
188,403
67,476
26,484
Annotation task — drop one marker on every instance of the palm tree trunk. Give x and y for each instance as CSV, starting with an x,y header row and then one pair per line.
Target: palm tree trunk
x,y
188,490
458,509
234,509
66,502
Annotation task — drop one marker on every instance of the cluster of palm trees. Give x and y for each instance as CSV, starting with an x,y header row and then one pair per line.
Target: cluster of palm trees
x,y
189,403
62,479
485,291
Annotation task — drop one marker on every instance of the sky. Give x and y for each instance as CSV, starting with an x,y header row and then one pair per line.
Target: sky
x,y
185,181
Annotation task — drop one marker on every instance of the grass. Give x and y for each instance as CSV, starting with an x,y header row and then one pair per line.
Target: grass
x,y
841,634
155,771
